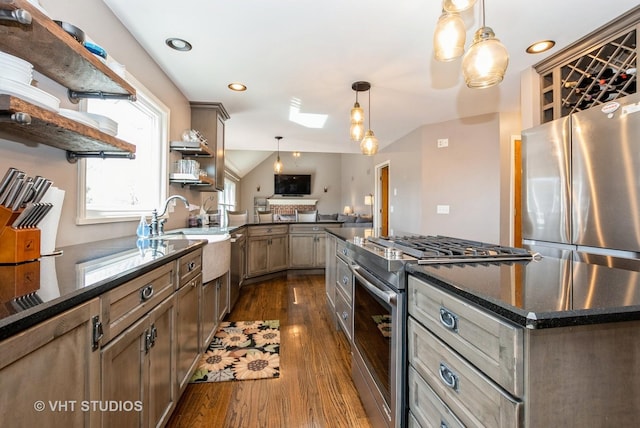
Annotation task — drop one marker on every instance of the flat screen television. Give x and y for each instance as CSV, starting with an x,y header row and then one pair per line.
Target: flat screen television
x,y
292,184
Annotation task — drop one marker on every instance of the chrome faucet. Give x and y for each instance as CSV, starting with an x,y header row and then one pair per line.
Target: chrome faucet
x,y
157,226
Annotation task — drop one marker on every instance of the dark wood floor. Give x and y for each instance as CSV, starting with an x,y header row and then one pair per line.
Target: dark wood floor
x,y
314,388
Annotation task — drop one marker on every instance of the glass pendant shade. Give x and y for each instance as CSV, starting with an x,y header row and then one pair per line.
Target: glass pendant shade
x,y
369,144
486,61
357,122
357,114
277,166
449,37
457,5
357,131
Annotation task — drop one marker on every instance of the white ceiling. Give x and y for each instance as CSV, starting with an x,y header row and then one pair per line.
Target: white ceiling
x,y
312,51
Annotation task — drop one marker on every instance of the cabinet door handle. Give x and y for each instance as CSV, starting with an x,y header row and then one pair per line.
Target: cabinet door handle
x,y
448,319
345,280
146,293
448,377
443,424
345,315
148,342
345,251
191,266
154,334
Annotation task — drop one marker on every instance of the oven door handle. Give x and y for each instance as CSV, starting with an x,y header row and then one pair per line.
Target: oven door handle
x,y
374,285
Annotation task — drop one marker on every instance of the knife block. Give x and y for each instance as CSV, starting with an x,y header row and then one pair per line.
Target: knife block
x,y
17,245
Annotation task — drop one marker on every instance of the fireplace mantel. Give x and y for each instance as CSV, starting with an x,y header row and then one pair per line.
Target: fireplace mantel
x,y
292,201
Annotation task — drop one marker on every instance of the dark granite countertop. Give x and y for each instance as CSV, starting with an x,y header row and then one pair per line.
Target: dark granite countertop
x,y
348,233
82,272
544,293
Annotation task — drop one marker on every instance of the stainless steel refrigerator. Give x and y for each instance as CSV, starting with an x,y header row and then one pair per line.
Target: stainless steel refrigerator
x,y
581,194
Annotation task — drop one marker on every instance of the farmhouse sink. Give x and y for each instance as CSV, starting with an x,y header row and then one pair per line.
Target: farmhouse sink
x,y
216,255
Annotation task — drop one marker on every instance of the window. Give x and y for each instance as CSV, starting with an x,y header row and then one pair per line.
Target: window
x,y
227,199
112,190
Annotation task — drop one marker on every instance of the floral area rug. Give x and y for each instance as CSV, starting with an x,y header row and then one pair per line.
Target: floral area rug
x,y
384,324
241,350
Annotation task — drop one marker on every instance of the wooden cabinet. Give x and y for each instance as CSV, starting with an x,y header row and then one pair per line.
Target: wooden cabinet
x,y
214,306
136,369
58,56
187,329
468,366
596,69
330,275
209,119
48,371
267,249
307,246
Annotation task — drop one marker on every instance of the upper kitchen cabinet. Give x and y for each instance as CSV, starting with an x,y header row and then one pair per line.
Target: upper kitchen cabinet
x,y
209,119
57,55
596,69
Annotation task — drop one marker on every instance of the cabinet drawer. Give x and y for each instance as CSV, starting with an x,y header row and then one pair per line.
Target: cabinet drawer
x,y
344,279
471,396
427,408
124,305
268,230
343,312
189,266
342,251
306,228
489,343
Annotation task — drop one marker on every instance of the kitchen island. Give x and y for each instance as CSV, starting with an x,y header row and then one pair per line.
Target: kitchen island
x,y
517,345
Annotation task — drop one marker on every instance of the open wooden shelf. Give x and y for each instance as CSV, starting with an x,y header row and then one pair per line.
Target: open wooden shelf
x,y
54,130
57,55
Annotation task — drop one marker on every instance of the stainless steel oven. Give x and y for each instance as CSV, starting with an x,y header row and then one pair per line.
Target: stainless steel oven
x,y
378,350
380,310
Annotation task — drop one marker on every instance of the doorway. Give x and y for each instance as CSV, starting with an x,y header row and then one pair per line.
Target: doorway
x,y
381,221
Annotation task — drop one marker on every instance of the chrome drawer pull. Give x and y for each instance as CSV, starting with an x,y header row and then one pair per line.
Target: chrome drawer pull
x,y
345,251
449,319
448,377
345,315
191,266
345,280
146,293
443,424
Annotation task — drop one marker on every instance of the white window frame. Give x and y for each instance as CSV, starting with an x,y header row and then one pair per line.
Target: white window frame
x,y
83,215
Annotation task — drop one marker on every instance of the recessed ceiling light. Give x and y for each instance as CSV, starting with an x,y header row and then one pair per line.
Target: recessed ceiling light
x,y
178,44
541,46
238,87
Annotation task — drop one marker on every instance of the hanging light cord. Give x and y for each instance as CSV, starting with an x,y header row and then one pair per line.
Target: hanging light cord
x,y
483,18
369,108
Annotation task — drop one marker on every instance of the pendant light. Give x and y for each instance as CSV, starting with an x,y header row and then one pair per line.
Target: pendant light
x,y
357,113
369,144
486,61
457,6
449,37
277,167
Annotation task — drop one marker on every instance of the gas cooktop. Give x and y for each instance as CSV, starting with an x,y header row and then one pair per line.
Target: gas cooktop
x,y
444,249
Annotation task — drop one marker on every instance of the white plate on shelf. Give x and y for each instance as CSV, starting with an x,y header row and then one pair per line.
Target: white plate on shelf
x,y
16,73
79,117
30,94
6,58
105,124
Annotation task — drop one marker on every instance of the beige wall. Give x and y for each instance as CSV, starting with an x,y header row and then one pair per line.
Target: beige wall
x,y
471,176
347,179
99,24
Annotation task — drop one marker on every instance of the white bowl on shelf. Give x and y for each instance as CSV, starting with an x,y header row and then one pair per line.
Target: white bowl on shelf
x,y
6,58
80,117
30,94
105,124
16,73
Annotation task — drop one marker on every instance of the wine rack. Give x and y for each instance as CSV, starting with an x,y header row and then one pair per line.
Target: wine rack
x,y
593,71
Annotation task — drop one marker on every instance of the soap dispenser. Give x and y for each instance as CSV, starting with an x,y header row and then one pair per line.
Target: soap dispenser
x,y
143,229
